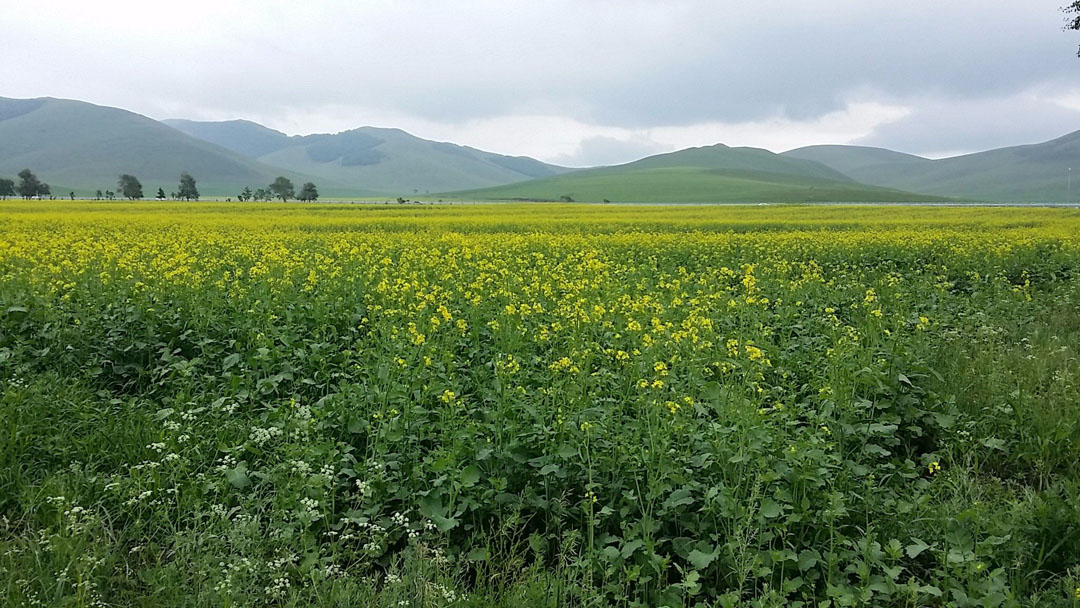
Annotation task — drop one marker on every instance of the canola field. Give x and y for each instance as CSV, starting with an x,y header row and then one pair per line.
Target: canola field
x,y
538,405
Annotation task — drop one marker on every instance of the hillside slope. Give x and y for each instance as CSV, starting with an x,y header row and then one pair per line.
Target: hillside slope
x,y
386,161
1036,172
86,147
709,174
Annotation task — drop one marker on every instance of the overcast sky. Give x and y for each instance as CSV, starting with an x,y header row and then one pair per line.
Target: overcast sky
x,y
577,82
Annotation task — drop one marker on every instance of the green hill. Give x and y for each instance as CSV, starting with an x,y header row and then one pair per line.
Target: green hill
x,y
710,174
244,137
1037,172
84,147
850,159
385,161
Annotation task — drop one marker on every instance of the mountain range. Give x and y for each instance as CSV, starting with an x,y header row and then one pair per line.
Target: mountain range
x,y
80,147
378,161
709,174
1036,172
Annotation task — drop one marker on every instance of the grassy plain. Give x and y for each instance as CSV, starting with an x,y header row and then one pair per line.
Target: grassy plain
x,y
710,174
547,405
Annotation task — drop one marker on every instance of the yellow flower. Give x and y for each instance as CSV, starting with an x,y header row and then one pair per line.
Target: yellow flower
x,y
934,467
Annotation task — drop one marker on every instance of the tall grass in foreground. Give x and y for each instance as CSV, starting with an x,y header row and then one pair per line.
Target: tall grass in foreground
x,y
230,405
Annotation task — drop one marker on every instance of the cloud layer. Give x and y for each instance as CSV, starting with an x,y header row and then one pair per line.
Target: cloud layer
x,y
581,82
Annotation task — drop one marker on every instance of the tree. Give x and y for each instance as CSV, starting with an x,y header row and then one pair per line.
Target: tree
x,y
187,190
262,194
43,190
129,187
245,195
1072,19
98,195
7,188
71,196
109,194
29,185
283,188
308,192
160,194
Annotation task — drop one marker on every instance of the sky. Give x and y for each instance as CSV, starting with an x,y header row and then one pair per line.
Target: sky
x,y
574,82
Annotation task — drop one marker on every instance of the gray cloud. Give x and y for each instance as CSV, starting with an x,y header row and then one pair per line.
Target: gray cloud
x,y
939,128
603,64
603,150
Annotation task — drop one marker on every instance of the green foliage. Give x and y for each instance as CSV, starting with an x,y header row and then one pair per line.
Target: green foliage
x,y
308,193
7,188
276,405
188,191
282,188
29,185
129,187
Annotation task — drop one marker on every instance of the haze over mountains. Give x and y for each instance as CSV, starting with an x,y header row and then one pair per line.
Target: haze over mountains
x,y
82,147
709,174
1037,172
384,161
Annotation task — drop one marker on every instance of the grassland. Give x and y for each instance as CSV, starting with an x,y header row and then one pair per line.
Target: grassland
x,y
1034,172
710,174
286,405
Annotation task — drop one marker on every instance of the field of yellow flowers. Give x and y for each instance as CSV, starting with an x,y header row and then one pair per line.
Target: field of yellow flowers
x,y
538,405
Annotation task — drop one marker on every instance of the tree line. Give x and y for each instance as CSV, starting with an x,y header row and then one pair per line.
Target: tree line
x,y
283,189
129,187
29,186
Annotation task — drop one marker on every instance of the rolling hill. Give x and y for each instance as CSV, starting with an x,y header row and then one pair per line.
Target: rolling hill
x,y
1036,172
82,147
385,161
709,174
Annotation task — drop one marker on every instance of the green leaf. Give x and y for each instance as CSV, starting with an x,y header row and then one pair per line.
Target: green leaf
x,y
678,498
682,545
566,451
444,524
701,560
230,361
431,506
770,508
470,475
629,548
610,553
808,558
915,548
238,476
479,554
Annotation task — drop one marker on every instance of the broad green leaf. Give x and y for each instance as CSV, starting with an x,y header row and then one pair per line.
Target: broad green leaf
x,y
470,475
915,548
